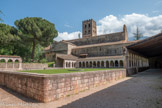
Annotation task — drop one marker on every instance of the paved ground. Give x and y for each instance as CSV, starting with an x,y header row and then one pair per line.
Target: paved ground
x,y
143,90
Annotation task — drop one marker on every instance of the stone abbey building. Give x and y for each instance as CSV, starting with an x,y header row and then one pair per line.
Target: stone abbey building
x,y
95,51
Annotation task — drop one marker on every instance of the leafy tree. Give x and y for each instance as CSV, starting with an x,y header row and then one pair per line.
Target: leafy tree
x,y
8,38
36,31
138,35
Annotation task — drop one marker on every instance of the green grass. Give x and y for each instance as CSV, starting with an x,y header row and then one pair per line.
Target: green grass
x,y
56,71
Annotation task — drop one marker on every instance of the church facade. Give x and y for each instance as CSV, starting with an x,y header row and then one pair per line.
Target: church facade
x,y
95,51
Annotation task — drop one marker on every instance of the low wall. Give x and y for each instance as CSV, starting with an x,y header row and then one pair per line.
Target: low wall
x,y
46,88
132,71
27,66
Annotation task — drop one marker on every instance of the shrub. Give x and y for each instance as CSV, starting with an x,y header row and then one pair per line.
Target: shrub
x,y
43,60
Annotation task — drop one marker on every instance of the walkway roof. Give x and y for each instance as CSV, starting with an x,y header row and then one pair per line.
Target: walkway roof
x,y
149,47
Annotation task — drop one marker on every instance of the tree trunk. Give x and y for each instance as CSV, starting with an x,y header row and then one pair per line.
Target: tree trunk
x,y
33,50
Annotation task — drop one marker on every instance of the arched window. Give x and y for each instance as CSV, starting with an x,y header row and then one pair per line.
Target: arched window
x,y
102,64
98,64
80,64
116,63
87,64
112,64
107,64
10,63
16,63
3,63
83,65
94,64
90,64
121,63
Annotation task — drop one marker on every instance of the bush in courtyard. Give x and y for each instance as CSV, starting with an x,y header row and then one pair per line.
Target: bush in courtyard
x,y
50,64
43,60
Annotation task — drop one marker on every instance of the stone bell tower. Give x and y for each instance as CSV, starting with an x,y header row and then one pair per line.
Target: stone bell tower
x,y
89,28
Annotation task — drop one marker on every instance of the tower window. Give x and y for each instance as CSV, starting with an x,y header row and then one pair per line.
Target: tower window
x,y
85,26
89,31
89,25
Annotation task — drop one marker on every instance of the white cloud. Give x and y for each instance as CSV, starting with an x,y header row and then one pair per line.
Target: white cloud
x,y
68,36
147,25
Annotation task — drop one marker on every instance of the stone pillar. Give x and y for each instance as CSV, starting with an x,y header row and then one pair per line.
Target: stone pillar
x,y
119,63
20,65
109,64
13,64
104,64
6,63
70,64
64,64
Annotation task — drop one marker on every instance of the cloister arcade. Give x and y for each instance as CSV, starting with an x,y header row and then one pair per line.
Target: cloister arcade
x,y
69,64
135,60
101,64
10,62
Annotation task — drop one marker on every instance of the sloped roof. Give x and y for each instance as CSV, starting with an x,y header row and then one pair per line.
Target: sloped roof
x,y
149,47
103,44
101,58
66,56
116,33
9,56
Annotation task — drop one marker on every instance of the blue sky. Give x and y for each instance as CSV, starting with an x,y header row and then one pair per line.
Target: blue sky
x,y
67,15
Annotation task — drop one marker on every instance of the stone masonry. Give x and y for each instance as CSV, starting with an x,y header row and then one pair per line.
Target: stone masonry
x,y
46,88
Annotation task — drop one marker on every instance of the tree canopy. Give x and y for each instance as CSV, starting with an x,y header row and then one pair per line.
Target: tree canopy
x,y
36,31
8,37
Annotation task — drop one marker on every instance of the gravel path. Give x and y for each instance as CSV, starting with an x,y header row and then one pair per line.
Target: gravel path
x,y
143,90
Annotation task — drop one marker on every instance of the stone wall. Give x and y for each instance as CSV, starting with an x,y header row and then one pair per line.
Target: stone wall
x,y
34,66
46,88
105,50
25,66
132,71
114,37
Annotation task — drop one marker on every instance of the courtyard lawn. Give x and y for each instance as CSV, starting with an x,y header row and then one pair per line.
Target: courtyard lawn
x,y
57,71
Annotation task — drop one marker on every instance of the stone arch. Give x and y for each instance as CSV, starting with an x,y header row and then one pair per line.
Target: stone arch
x,y
10,60
67,64
72,64
17,62
111,64
90,64
116,63
102,64
94,64
3,60
107,64
98,64
121,63
83,64
3,63
80,64
87,64
10,63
